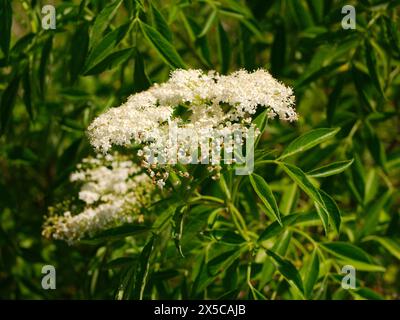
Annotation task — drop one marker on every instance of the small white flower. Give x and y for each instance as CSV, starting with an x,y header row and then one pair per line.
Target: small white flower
x,y
111,197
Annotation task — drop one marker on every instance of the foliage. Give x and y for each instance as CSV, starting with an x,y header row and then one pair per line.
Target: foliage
x,y
325,191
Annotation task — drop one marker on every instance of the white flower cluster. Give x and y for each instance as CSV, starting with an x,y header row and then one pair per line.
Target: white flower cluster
x,y
196,107
112,191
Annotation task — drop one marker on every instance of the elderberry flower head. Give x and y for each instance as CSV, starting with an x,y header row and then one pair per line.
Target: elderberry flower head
x,y
112,191
172,121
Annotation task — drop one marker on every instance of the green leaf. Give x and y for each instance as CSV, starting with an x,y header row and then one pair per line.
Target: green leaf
x,y
264,192
5,26
330,169
225,236
202,46
375,145
27,93
275,228
141,81
44,58
118,233
372,66
223,261
257,295
308,140
311,275
367,293
105,46
353,255
143,269
120,262
210,21
301,13
102,21
333,102
371,218
288,270
163,46
389,244
113,60
7,103
224,49
177,223
298,176
324,216
332,210
261,122
160,24
280,247
362,83
288,200
313,75
79,50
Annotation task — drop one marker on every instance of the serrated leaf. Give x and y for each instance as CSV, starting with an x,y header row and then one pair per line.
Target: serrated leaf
x,y
288,270
323,215
311,275
308,140
352,255
102,21
330,169
113,60
332,210
298,176
264,192
165,49
105,46
160,23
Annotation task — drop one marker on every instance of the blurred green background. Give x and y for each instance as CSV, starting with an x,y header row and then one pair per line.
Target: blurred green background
x,y
54,82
